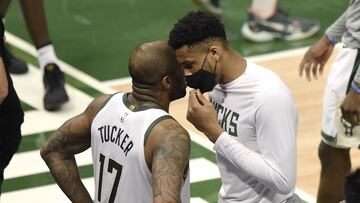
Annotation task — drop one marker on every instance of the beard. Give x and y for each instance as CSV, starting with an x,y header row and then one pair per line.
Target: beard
x,y
179,90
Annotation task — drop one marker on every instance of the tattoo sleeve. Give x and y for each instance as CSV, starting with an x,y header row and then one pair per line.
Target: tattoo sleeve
x,y
59,152
170,160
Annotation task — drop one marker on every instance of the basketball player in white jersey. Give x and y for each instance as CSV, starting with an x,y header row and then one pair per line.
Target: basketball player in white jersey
x,y
340,130
140,153
254,122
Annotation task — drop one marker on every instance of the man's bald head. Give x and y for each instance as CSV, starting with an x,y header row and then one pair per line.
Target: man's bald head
x,y
151,61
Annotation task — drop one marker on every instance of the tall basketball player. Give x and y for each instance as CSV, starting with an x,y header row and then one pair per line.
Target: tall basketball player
x,y
140,153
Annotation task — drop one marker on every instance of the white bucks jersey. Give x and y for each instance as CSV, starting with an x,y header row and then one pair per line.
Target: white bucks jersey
x,y
117,141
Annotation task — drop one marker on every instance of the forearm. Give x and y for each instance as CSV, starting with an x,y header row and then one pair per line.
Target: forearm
x,y
256,165
65,172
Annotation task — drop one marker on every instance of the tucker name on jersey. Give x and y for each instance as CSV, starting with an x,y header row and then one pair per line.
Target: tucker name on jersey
x,y
116,135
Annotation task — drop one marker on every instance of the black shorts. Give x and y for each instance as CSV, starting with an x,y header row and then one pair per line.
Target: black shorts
x,y
11,118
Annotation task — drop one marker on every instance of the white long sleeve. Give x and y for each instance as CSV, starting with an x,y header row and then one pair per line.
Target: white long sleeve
x,y
256,155
275,164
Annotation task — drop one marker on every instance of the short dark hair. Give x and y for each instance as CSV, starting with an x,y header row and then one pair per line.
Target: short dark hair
x,y
195,27
352,187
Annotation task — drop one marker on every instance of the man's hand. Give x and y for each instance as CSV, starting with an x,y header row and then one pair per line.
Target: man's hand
x,y
202,115
315,58
350,108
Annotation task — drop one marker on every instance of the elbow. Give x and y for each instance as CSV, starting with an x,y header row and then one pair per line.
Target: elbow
x,y
285,190
285,187
44,153
159,200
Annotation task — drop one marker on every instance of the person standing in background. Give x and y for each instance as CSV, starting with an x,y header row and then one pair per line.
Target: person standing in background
x,y
266,21
140,153
251,116
53,78
340,131
11,112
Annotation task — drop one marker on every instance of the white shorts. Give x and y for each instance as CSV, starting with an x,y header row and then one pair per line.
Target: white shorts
x,y
336,131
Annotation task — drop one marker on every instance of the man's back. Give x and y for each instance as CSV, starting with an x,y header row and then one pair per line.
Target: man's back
x,y
118,136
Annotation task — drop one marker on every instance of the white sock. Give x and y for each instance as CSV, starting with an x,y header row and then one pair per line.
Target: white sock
x,y
263,8
46,55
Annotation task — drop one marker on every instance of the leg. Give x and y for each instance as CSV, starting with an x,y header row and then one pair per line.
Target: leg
x,y
263,8
4,5
211,6
17,66
335,164
2,167
34,15
11,134
264,16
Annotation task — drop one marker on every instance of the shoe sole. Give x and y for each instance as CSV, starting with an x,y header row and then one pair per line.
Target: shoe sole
x,y
57,105
264,36
204,4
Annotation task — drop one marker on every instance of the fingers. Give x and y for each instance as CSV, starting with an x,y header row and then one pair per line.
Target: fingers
x,y
352,116
193,105
307,68
356,119
193,100
301,68
321,69
314,70
202,100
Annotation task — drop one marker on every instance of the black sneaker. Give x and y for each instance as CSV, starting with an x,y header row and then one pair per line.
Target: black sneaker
x,y
279,26
17,66
211,6
55,95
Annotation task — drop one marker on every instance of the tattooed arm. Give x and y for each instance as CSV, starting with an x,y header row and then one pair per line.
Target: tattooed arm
x,y
170,144
71,138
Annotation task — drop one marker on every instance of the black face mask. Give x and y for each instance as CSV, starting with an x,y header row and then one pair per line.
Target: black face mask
x,y
202,80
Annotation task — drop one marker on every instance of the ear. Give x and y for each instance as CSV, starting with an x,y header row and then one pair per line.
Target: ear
x,y
215,52
166,82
